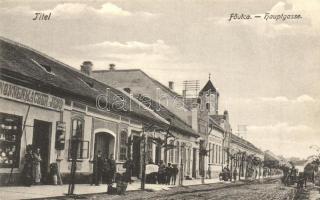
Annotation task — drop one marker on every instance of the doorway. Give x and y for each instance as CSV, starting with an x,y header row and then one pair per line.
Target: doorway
x,y
136,156
104,142
41,140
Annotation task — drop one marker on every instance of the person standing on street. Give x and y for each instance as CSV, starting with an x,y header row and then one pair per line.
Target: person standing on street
x,y
36,166
27,172
109,170
161,172
235,174
175,171
98,168
168,173
128,165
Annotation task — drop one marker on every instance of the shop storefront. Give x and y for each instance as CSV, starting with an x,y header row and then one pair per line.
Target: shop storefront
x,y
27,117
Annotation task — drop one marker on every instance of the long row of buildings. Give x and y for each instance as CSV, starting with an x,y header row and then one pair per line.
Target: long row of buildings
x,y
48,104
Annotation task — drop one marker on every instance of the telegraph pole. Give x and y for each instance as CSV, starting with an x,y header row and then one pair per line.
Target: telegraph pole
x,y
143,177
74,151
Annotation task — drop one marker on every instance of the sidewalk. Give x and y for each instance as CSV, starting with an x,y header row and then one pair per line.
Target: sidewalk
x,y
43,191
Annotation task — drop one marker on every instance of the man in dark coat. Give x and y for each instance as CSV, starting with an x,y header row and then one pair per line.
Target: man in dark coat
x,y
175,171
28,167
128,165
235,174
168,173
161,172
98,168
109,171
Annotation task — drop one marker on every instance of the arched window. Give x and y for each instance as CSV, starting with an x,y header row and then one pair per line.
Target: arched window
x,y
77,128
123,145
208,106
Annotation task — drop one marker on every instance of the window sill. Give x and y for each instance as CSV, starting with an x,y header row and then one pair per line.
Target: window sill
x,y
79,160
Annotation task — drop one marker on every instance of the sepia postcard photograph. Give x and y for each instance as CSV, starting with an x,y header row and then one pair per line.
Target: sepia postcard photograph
x,y
160,99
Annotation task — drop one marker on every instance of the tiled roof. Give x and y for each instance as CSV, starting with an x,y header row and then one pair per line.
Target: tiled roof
x,y
214,124
113,74
246,144
42,72
177,123
269,156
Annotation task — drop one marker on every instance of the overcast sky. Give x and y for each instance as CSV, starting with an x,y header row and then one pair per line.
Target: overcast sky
x,y
267,72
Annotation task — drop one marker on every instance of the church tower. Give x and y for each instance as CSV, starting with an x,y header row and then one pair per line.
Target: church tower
x,y
209,96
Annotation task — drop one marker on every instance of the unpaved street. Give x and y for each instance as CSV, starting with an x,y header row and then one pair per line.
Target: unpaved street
x,y
269,189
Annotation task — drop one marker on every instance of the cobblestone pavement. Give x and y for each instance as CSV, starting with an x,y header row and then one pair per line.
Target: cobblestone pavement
x,y
254,190
310,193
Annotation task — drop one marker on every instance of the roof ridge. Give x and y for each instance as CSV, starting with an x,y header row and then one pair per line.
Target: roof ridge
x,y
176,116
40,53
107,70
145,107
55,60
151,78
252,145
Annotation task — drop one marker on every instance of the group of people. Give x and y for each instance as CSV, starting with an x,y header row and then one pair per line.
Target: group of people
x,y
226,174
290,175
161,173
32,166
104,169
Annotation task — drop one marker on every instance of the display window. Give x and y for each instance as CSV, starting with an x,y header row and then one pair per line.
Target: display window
x,y
10,134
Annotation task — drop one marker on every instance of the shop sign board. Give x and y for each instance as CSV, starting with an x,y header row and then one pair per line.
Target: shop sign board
x,y
29,96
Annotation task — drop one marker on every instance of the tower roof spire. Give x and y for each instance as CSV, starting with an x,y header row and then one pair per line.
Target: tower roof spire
x,y
208,87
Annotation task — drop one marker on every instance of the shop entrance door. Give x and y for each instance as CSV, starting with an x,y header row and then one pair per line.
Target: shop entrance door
x,y
41,140
136,156
104,142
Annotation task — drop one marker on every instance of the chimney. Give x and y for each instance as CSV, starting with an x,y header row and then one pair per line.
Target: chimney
x,y
184,94
112,67
171,85
86,67
226,115
127,90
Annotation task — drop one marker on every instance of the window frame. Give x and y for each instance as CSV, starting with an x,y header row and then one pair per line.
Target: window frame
x,y
16,143
80,137
123,148
213,153
74,135
177,152
171,152
80,151
149,152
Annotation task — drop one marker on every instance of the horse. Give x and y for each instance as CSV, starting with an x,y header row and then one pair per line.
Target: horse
x,y
309,172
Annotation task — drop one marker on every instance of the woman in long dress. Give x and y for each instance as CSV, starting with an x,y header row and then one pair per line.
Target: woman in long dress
x,y
28,167
37,166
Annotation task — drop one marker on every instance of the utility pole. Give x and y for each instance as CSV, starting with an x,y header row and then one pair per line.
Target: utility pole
x,y
181,168
240,165
74,151
143,177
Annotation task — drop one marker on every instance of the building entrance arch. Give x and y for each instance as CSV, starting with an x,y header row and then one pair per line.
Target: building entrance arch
x,y
104,141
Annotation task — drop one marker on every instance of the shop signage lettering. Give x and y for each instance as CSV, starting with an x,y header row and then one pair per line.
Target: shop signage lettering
x,y
26,95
